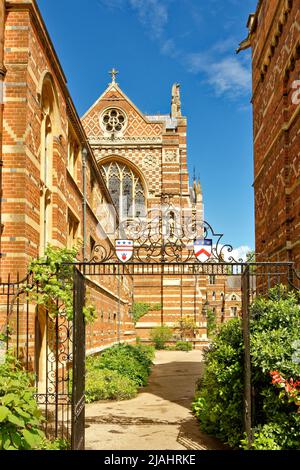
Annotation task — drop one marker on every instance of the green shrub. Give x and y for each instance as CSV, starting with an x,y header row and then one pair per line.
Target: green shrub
x,y
219,401
183,346
105,384
280,434
187,327
57,444
147,351
274,327
20,418
160,336
52,285
211,323
130,361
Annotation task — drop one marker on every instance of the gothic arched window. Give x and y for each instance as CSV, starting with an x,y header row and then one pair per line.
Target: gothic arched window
x,y
126,189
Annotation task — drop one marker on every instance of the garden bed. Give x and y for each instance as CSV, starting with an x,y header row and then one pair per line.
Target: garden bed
x,y
118,373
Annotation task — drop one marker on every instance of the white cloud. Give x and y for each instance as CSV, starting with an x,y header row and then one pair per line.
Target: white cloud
x,y
112,4
153,14
226,75
240,252
169,48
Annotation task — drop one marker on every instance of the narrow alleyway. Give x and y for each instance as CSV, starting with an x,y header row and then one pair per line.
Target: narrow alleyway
x,y
159,418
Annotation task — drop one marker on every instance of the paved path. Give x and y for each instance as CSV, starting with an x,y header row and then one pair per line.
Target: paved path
x,y
159,418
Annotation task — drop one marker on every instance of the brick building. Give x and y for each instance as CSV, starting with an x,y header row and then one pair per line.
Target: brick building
x,y
63,180
51,189
143,159
274,36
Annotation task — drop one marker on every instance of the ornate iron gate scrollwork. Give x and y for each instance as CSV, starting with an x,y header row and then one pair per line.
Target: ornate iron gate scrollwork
x,y
159,242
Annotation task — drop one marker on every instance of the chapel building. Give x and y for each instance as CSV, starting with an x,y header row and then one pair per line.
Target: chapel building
x,y
143,160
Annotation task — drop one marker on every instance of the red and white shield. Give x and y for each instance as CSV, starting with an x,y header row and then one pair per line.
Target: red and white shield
x,y
203,250
124,250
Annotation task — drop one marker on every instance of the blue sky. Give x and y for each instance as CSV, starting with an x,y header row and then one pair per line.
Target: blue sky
x,y
155,43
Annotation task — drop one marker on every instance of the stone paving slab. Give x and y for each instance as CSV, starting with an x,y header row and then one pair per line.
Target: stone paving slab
x,y
160,417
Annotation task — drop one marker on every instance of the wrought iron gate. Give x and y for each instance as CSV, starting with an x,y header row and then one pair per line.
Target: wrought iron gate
x,y
78,386
247,356
52,348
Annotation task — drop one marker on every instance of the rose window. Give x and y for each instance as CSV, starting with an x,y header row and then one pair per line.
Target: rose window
x,y
113,120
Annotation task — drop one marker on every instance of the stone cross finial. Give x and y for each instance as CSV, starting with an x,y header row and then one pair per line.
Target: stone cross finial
x,y
113,74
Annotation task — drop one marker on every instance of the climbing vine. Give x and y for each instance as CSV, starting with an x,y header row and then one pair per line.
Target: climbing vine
x,y
52,283
140,309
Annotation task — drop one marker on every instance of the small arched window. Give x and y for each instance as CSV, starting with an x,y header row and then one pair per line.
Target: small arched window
x,y
46,164
126,189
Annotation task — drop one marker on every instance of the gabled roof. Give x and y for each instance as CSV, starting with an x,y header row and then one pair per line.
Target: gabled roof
x,y
115,87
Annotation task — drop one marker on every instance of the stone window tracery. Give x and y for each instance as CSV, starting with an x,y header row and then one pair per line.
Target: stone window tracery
x,y
113,120
126,189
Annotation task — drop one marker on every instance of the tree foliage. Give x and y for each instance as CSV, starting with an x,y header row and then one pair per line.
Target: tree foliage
x,y
274,329
187,327
20,418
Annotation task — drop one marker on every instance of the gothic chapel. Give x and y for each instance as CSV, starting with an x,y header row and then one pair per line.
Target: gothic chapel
x,y
143,160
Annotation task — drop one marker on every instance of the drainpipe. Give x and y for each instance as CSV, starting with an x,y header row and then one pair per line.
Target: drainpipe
x,y
84,205
2,77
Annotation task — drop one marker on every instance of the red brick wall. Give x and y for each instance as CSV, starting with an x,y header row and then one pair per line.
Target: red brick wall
x,y
276,65
29,56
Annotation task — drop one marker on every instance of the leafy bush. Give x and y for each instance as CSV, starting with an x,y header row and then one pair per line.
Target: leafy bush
x,y
160,336
183,346
105,384
20,417
147,351
219,401
118,372
187,327
274,328
57,444
211,323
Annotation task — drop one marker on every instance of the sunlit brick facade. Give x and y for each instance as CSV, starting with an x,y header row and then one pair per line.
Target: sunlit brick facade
x,y
43,196
149,152
274,36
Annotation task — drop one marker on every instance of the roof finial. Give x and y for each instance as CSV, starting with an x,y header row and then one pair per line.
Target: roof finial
x,y
113,74
176,101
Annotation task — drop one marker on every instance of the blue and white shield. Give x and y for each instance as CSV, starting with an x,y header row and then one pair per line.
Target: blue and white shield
x,y
203,250
124,250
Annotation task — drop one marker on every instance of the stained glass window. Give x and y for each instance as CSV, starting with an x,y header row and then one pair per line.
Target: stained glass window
x,y
126,189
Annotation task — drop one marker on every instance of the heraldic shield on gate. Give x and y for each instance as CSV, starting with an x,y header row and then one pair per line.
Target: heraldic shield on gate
x,y
203,250
124,250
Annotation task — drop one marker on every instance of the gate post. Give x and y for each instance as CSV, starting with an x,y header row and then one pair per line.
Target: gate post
x,y
247,356
78,365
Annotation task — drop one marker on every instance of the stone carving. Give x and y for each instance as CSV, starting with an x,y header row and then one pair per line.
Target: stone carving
x,y
125,140
176,101
170,156
150,161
